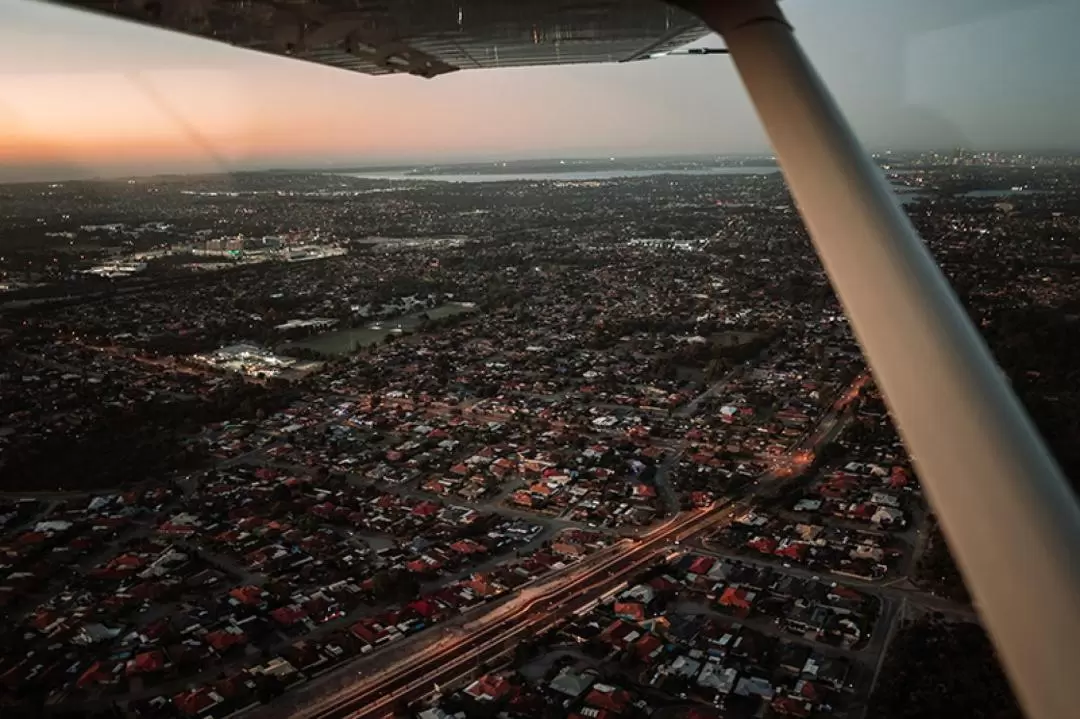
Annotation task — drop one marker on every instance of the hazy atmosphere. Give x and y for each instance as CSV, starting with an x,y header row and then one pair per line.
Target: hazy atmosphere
x,y
537,393
82,95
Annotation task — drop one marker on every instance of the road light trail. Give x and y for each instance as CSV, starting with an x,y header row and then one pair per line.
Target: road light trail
x,y
583,583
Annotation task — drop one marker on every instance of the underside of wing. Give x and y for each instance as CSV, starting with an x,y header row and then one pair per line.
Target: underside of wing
x,y
424,37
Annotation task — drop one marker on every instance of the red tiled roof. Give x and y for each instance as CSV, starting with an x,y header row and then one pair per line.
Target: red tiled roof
x,y
862,510
425,509
222,640
418,566
146,663
701,565
288,615
194,702
489,686
790,706
468,546
647,645
94,674
809,691
796,550
615,701
128,560
247,595
765,545
633,610
423,607
362,631
735,597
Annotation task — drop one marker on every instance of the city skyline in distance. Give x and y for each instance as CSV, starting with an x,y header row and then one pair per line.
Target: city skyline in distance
x,y
526,166
549,165
909,77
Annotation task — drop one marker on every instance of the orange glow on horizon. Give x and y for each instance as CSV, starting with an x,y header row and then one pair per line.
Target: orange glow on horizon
x,y
165,116
225,117
85,95
246,109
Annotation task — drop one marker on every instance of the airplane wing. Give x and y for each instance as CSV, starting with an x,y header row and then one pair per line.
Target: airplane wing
x,y
424,37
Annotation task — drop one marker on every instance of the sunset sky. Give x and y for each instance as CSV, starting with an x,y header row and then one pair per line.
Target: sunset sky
x,y
82,95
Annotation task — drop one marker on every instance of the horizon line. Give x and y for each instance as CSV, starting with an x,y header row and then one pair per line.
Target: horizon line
x,y
362,166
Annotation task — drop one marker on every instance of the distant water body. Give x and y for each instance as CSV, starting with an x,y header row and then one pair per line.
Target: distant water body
x,y
902,197
570,175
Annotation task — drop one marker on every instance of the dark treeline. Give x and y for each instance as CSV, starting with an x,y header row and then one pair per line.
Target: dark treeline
x,y
942,669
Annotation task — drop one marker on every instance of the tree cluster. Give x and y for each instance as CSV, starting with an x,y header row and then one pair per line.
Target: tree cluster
x,y
936,668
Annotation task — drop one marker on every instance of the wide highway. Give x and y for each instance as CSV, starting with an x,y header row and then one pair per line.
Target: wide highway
x,y
544,605
538,608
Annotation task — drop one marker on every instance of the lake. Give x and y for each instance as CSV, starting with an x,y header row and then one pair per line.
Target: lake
x,y
903,196
343,342
569,176
1001,193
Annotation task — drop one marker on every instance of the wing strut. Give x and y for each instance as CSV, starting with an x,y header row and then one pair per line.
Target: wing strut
x,y
1009,517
